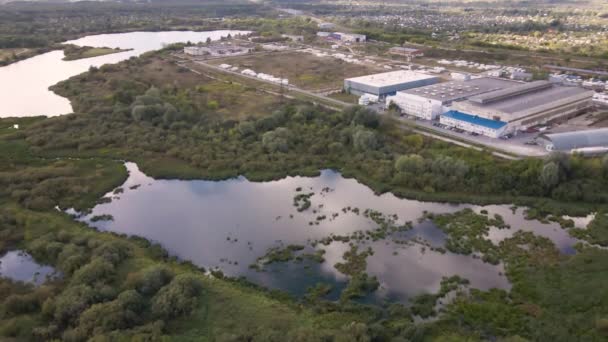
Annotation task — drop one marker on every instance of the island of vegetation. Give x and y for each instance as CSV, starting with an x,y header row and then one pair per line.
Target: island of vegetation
x,y
73,52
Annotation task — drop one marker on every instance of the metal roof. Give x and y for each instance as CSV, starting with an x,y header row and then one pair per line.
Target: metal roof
x,y
476,120
578,139
391,78
527,104
504,94
456,90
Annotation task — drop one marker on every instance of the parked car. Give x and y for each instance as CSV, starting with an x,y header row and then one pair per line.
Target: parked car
x,y
531,142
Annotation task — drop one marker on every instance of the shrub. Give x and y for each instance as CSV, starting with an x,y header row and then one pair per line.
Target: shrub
x,y
153,278
178,298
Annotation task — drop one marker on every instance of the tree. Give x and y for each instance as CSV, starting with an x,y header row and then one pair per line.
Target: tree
x,y
177,298
563,162
277,140
412,163
71,302
449,166
246,128
153,279
366,117
549,176
365,140
98,270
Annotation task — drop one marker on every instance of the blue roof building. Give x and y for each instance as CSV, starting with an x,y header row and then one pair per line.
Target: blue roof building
x,y
473,123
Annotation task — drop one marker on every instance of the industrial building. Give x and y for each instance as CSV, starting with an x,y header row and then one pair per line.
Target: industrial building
x,y
527,104
431,101
388,83
590,141
348,37
407,52
473,124
219,49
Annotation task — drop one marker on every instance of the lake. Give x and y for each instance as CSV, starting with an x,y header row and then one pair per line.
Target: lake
x,y
20,266
24,85
230,224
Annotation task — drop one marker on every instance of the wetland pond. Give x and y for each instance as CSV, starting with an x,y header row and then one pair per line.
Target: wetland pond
x,y
233,224
24,85
20,266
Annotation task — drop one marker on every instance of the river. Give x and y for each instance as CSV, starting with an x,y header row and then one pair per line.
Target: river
x,y
24,86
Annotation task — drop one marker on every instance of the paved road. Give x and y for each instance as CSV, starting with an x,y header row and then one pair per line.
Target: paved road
x,y
515,145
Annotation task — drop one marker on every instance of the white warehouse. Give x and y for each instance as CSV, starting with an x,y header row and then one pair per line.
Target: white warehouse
x,y
387,83
429,102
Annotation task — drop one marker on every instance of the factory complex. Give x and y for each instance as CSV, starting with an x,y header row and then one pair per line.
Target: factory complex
x,y
429,102
486,106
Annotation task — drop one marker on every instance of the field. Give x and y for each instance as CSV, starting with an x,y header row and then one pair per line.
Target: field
x,y
342,96
303,70
204,93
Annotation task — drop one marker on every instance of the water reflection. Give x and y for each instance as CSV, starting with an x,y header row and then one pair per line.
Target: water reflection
x,y
20,266
24,85
230,224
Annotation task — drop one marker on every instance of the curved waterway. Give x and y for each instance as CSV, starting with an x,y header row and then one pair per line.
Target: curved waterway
x,y
230,224
24,86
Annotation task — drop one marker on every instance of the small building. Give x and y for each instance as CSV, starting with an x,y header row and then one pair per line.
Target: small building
x,y
496,73
460,76
193,51
218,49
473,124
293,38
387,83
367,99
404,51
323,34
600,99
576,141
349,37
326,26
521,76
274,47
431,101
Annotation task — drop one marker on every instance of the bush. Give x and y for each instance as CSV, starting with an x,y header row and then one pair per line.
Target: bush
x,y
153,278
71,303
412,163
178,298
277,140
98,270
365,140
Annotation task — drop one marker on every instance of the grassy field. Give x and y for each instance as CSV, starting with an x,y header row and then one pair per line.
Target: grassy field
x,y
6,54
348,98
204,93
304,70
